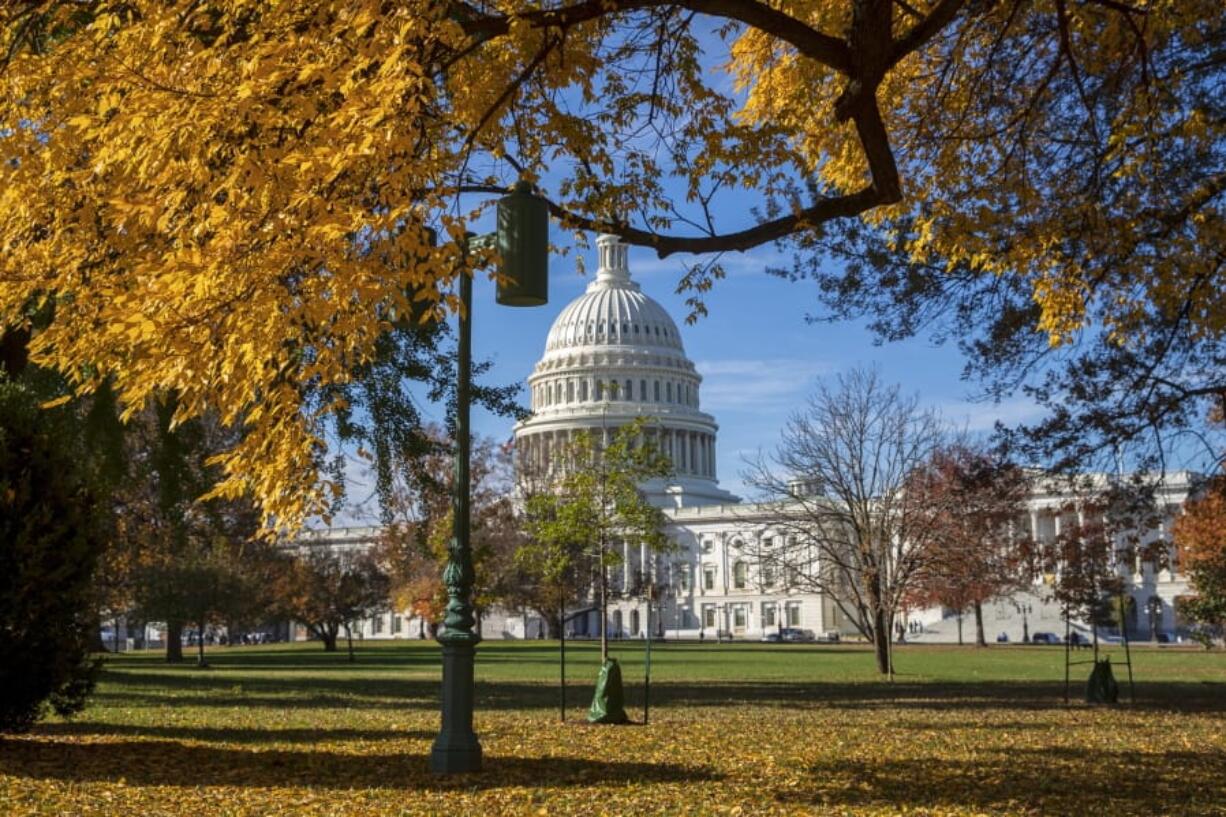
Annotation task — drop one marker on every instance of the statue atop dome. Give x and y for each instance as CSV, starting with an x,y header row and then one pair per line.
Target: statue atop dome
x,y
614,264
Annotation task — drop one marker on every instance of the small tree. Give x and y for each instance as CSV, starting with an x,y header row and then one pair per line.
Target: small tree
x,y
328,590
838,481
1200,536
977,551
1102,534
205,586
413,547
591,503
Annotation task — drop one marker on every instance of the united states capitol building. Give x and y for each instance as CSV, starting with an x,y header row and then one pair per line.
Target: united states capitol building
x,y
613,355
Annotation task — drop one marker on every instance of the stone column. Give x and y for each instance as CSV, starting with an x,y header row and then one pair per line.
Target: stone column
x,y
625,565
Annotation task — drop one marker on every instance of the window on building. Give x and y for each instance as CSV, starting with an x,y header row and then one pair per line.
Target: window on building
x,y
740,575
793,613
768,574
708,545
656,390
629,390
396,624
634,623
669,388
708,577
599,389
768,614
708,615
376,625
683,577
570,391
643,390
582,391
740,615
791,576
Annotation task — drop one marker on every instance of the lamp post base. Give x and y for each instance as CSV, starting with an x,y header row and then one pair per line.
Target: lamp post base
x,y
456,749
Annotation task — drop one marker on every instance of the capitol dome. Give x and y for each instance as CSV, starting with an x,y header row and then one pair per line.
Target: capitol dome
x,y
613,354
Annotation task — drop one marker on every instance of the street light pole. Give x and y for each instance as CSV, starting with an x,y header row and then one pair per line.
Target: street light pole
x,y
522,240
456,749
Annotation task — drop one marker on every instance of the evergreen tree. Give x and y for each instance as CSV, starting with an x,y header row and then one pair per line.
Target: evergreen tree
x,y
49,545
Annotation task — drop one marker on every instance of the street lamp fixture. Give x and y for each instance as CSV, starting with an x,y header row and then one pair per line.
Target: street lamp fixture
x,y
522,239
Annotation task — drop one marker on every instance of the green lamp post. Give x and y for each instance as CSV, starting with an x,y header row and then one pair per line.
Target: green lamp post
x,y
522,239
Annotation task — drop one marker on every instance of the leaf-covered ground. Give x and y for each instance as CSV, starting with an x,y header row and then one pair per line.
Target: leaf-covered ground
x,y
745,729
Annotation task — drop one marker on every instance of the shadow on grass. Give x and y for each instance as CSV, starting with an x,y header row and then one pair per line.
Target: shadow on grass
x,y
1052,780
245,734
160,689
168,763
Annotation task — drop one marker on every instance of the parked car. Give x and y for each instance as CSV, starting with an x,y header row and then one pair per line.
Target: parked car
x,y
771,638
1044,638
795,635
831,636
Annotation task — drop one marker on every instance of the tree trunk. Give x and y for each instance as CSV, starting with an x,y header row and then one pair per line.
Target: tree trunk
x,y
174,641
959,628
349,638
200,662
881,641
604,613
562,661
980,639
95,629
328,637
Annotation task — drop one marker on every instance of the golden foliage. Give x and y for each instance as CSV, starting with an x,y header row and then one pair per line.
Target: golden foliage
x,y
229,200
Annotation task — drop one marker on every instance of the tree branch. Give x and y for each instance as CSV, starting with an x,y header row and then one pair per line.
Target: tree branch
x,y
829,51
926,29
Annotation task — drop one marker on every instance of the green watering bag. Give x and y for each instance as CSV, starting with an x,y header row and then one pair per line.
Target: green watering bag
x,y
609,703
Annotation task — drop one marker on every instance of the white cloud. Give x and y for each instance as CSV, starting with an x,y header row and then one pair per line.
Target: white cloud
x,y
735,264
763,385
982,416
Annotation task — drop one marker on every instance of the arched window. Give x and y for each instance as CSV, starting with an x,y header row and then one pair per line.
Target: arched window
x,y
670,391
643,390
582,391
629,394
740,575
599,389
634,623
656,384
570,391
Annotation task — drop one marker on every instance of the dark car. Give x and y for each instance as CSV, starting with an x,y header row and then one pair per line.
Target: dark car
x,y
771,638
795,635
1044,638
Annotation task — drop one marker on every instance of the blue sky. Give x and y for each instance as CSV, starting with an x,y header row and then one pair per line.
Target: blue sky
x,y
758,356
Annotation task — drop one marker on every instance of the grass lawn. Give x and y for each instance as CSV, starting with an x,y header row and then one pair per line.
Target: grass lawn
x,y
735,729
